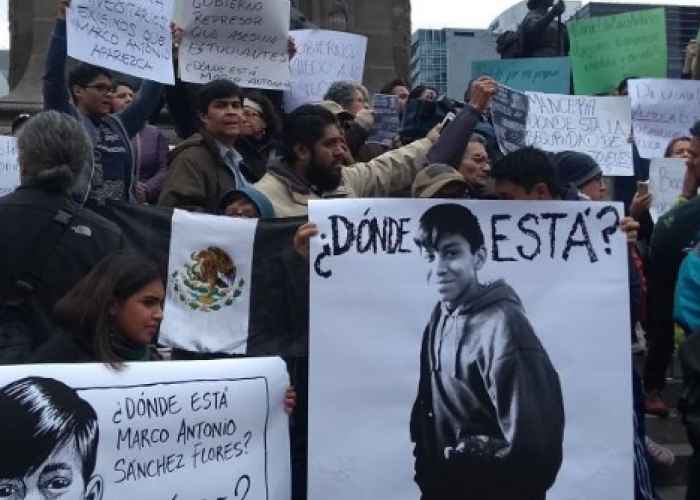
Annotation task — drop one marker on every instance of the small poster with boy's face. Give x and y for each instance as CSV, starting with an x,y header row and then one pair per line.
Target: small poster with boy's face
x,y
160,431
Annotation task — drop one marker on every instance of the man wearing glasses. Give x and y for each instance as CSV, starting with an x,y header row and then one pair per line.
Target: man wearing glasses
x,y
112,174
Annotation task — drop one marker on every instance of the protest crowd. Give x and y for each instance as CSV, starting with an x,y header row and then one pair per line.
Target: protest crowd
x,y
84,262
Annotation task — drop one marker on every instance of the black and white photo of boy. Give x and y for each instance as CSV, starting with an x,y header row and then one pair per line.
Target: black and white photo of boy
x,y
488,420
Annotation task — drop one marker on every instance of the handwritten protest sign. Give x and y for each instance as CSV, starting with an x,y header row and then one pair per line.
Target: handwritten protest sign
x,y
131,36
245,42
9,165
597,126
665,184
323,57
509,111
432,392
606,49
183,431
662,110
386,120
551,75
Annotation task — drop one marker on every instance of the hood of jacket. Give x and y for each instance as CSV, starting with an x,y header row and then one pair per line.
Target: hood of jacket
x,y
489,294
279,168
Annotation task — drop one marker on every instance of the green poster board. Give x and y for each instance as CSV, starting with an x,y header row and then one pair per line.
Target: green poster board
x,y
604,50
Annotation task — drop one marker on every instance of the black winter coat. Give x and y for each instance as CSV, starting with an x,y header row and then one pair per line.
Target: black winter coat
x,y
24,216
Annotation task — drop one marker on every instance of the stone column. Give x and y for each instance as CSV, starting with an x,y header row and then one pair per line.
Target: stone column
x,y
386,23
31,23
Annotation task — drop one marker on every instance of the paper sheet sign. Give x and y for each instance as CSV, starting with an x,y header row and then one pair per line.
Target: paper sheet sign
x,y
661,111
597,126
157,430
665,184
323,57
9,165
246,42
132,37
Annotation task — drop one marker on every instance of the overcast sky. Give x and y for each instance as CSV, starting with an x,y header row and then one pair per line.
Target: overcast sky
x,y
466,14
425,13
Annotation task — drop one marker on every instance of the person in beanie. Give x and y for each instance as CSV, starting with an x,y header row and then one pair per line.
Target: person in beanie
x,y
582,172
439,181
246,202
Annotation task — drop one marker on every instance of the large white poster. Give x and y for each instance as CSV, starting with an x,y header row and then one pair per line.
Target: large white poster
x,y
661,111
170,431
9,165
323,57
245,42
457,346
132,36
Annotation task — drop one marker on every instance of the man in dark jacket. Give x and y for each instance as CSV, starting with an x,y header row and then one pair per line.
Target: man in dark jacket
x,y
543,33
52,152
477,428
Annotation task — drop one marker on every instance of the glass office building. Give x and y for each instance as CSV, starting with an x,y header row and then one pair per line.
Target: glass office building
x,y
429,59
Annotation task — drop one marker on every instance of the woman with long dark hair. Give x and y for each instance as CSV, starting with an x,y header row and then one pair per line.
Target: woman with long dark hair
x,y
112,315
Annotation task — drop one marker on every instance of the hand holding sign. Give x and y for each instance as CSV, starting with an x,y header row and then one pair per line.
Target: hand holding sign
x,y
481,92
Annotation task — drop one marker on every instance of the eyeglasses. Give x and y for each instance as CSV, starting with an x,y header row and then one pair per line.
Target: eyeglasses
x,y
102,88
252,114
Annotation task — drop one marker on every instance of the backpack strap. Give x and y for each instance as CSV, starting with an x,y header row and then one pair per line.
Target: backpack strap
x,y
35,263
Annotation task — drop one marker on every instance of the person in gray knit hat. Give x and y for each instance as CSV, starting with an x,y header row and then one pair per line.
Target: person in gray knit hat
x,y
582,172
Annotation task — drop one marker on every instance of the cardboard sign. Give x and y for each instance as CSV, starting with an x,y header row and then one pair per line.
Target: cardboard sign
x,y
607,49
551,75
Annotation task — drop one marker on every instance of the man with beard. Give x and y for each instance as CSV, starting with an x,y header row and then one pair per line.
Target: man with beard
x,y
311,166
313,152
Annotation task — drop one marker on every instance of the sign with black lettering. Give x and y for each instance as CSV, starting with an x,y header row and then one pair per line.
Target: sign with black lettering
x,y
245,41
661,111
665,184
173,431
323,57
466,326
129,36
9,165
597,126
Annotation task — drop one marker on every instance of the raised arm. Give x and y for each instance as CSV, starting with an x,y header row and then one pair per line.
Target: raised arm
x,y
450,147
55,90
388,173
135,116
